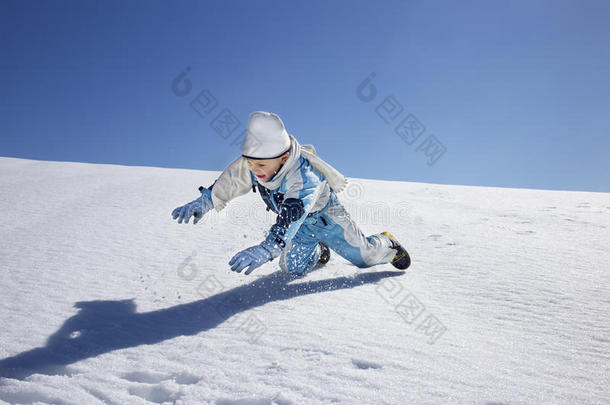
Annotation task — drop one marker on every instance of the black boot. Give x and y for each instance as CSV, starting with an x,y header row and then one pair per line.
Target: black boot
x,y
402,260
324,253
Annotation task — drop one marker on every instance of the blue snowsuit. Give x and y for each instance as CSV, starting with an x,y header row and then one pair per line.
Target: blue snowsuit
x,y
309,211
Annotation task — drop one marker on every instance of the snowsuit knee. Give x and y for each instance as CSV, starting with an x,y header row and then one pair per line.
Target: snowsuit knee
x,y
334,227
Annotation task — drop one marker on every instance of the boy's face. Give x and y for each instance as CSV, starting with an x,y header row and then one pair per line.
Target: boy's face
x,y
266,169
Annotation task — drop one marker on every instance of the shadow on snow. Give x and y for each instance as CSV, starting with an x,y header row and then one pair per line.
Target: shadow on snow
x,y
103,326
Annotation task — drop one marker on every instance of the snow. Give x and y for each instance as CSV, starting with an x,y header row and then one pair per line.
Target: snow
x,y
106,300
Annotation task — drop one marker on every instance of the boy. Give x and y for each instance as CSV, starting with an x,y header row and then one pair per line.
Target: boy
x,y
301,188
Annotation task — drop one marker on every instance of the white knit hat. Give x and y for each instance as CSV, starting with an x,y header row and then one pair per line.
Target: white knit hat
x,y
266,137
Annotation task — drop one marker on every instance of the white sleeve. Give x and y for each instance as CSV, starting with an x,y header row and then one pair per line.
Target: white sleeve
x,y
234,181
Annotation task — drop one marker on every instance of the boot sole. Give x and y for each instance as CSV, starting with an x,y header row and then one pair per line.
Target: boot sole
x,y
324,255
402,260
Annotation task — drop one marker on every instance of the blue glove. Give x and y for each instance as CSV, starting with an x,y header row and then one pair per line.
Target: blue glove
x,y
196,208
255,256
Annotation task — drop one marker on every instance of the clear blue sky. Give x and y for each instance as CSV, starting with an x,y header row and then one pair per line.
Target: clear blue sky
x,y
517,92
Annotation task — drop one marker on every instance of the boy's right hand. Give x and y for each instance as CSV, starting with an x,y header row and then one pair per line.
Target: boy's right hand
x,y
196,208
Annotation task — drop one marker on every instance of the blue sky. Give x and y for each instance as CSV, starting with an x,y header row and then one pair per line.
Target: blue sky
x,y
490,93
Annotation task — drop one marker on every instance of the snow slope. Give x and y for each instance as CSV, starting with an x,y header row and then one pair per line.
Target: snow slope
x,y
106,300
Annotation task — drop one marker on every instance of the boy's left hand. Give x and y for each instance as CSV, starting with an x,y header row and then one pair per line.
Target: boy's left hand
x,y
254,257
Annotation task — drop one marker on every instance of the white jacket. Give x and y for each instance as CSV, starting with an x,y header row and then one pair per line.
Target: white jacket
x,y
236,180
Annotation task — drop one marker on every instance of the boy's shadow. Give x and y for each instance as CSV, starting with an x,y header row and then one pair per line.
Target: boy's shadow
x,y
102,326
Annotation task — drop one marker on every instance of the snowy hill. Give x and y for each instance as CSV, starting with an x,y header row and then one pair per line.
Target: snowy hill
x,y
106,300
